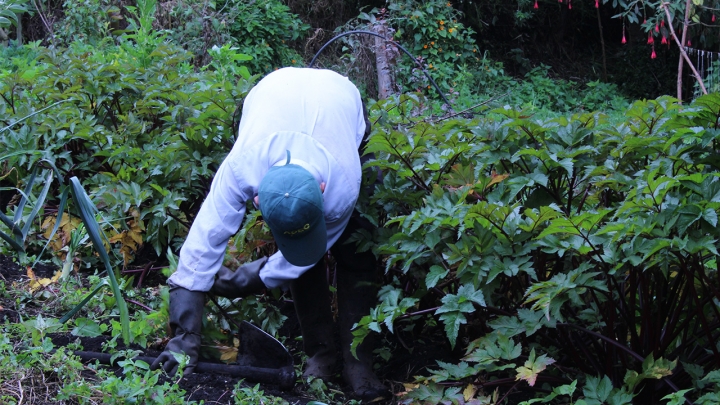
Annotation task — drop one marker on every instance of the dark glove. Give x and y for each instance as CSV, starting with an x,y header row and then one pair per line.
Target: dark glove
x,y
239,283
186,312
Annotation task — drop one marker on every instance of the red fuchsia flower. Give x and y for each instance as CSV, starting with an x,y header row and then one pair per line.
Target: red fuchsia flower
x,y
689,44
623,38
653,55
664,40
662,23
570,4
536,5
650,39
597,3
657,28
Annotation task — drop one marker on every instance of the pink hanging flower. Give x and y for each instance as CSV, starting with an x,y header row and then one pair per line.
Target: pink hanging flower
x,y
653,55
662,23
657,28
536,5
689,44
664,40
650,39
570,4
597,3
623,38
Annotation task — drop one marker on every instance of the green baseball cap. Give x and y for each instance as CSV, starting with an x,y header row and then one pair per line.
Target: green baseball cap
x,y
291,204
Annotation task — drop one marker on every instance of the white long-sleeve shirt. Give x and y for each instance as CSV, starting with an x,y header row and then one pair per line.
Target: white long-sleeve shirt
x,y
315,114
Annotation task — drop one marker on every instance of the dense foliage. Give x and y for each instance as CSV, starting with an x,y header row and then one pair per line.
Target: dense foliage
x,y
559,240
574,241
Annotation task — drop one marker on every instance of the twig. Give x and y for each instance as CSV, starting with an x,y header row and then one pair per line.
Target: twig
x,y
183,223
471,108
20,390
417,313
44,20
143,306
507,393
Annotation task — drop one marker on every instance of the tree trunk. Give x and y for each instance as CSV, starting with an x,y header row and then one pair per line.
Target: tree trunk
x,y
683,41
18,34
602,45
683,54
382,61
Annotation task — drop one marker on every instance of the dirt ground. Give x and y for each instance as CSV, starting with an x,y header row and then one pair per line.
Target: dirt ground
x,y
410,353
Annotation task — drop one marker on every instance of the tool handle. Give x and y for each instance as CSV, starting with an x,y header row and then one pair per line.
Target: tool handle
x,y
284,377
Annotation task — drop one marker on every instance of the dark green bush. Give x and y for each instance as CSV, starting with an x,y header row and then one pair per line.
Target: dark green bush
x,y
588,246
142,129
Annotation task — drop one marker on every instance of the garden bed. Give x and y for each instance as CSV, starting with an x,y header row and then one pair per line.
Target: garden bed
x,y
408,358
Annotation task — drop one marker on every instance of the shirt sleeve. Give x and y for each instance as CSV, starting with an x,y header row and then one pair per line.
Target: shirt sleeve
x,y
278,272
219,218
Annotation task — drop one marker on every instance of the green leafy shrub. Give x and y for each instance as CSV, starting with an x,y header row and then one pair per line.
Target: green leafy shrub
x,y
265,29
141,128
86,20
10,12
553,249
432,32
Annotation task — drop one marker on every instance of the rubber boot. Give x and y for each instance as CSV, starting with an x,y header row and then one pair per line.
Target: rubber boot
x,y
311,296
186,312
239,283
357,294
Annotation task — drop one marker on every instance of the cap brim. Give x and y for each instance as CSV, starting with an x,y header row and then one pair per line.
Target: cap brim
x,y
305,251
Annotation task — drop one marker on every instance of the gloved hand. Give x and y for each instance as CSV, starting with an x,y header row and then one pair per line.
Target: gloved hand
x,y
239,283
186,312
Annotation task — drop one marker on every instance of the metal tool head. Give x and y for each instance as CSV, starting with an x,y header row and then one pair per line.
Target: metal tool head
x,y
259,349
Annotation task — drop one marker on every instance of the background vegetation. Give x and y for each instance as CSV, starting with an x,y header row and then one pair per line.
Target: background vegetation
x,y
556,240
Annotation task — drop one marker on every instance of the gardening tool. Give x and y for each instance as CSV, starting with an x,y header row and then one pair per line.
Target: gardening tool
x,y
261,359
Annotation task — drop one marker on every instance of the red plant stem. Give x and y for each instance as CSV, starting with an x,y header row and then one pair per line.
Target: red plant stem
x,y
701,317
623,348
508,392
143,274
143,306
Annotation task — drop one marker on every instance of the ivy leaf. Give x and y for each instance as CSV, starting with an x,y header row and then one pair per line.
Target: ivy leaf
x,y
533,367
